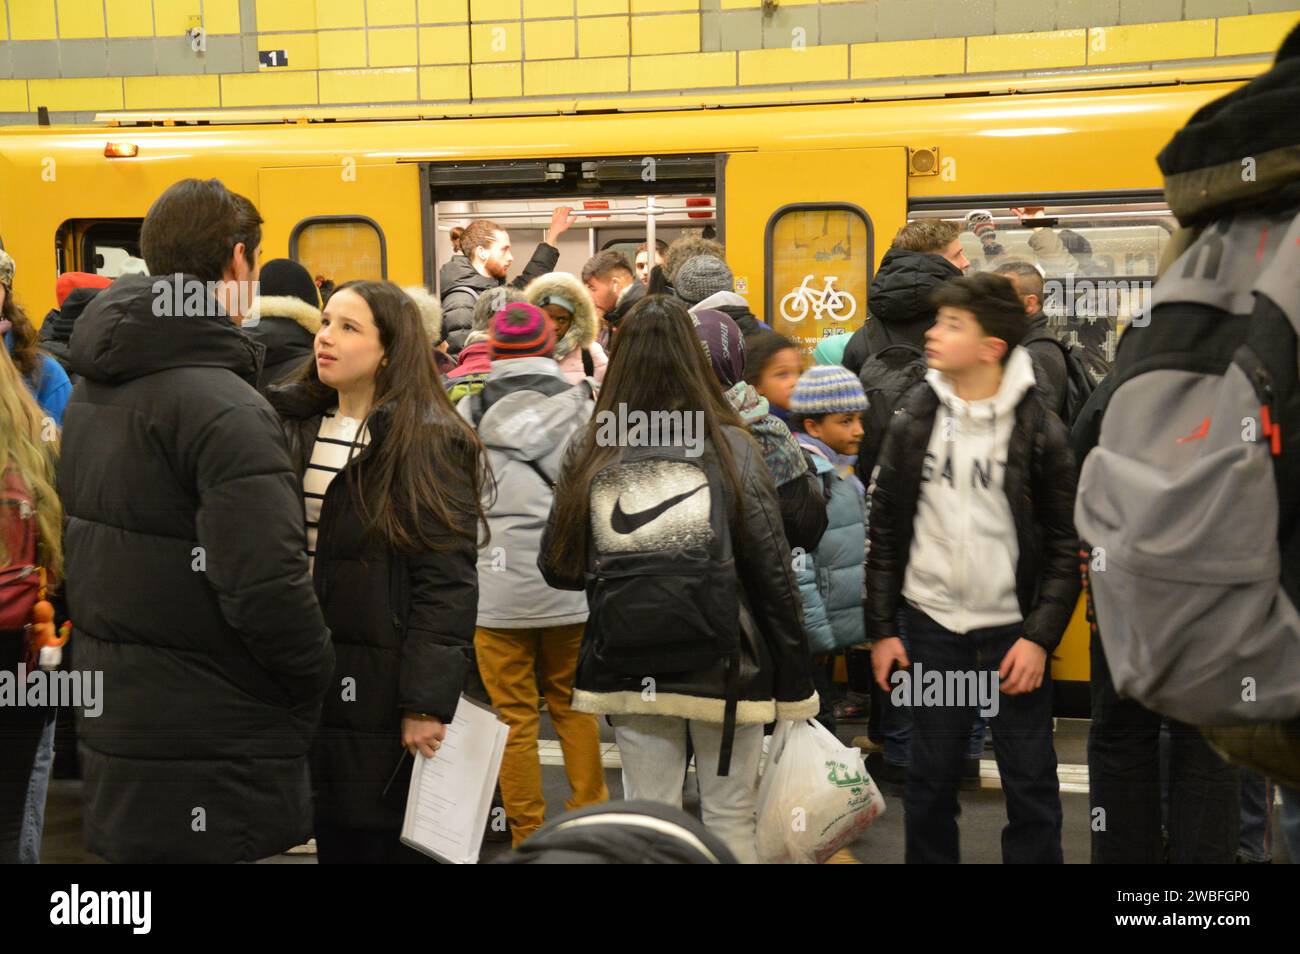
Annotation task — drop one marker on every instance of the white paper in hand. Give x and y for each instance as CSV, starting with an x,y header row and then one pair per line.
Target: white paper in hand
x,y
451,794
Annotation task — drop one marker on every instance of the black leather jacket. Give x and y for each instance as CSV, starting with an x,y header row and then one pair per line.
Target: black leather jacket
x,y
1039,485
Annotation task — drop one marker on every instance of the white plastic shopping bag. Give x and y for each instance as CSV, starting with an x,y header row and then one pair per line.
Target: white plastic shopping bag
x,y
815,796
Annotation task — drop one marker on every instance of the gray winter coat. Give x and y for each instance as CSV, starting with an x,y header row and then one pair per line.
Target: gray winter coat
x,y
526,413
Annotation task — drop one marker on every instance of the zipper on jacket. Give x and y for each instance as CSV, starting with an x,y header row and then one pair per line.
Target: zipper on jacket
x,y
1262,381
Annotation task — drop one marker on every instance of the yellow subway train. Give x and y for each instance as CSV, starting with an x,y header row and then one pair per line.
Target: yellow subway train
x,y
806,196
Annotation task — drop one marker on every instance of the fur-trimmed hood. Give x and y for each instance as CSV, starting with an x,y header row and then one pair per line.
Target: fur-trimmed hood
x,y
285,306
430,310
582,332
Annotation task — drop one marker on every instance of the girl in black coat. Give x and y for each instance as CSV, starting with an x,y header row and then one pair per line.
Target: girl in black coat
x,y
391,486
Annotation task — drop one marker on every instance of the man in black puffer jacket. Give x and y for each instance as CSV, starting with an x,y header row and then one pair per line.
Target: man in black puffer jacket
x,y
924,255
972,539
186,565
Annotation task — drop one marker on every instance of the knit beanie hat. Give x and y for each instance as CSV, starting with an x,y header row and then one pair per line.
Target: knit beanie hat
x,y
285,278
6,270
702,276
69,282
521,330
828,389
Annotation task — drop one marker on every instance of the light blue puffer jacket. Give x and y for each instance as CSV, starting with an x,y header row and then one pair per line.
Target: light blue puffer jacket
x,y
830,581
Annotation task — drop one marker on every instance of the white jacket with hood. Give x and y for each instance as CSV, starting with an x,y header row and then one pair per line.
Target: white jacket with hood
x,y
961,570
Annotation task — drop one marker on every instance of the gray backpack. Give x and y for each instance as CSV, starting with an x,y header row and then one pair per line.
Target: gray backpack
x,y
1190,498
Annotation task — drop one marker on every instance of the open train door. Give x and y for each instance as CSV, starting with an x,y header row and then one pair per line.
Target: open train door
x,y
805,230
345,221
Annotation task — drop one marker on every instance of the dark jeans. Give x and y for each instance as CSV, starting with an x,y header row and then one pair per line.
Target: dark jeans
x,y
1253,838
1124,784
361,846
823,669
1022,745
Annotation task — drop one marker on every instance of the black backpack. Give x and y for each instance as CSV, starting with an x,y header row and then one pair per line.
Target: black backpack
x,y
1079,384
886,376
662,590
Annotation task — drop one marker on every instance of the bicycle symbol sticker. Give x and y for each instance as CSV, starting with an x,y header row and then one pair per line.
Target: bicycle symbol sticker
x,y
835,304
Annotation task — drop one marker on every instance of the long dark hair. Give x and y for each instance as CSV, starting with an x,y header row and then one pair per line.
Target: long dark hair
x,y
430,461
25,353
658,365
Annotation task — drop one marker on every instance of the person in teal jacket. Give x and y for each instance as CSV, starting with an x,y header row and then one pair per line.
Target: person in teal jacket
x,y
830,350
44,376
826,417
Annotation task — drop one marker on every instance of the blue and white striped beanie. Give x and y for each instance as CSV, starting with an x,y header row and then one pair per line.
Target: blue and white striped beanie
x,y
828,389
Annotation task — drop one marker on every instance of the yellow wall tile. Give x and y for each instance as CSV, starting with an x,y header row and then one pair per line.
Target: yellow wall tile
x,y
597,8
179,92
549,40
395,46
1026,51
129,17
561,77
80,19
908,58
171,18
678,33
445,44
390,12
443,11
741,4
278,15
1144,42
369,86
32,20
495,42
4,23
341,49
13,96
440,84
663,6
75,94
493,80
221,16
268,89
481,10
340,14
684,71
814,64
544,9
300,49
1261,33
603,36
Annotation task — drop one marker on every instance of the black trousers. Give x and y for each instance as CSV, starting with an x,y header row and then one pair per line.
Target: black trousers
x,y
336,845
1124,788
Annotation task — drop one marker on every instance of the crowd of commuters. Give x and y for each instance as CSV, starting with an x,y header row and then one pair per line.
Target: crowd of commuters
x,y
291,535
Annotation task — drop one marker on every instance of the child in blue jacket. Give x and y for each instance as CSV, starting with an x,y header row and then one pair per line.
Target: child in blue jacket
x,y
826,418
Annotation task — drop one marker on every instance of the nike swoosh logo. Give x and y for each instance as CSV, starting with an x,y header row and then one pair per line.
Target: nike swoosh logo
x,y
623,522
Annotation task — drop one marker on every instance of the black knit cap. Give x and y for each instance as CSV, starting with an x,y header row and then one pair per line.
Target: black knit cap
x,y
282,277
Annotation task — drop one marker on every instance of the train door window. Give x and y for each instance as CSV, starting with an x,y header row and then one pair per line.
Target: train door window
x,y
340,248
1098,259
110,248
819,259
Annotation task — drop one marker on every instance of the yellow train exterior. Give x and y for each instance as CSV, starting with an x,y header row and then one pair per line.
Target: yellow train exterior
x,y
886,152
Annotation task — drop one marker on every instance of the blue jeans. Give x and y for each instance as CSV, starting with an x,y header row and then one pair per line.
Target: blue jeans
x,y
26,779
1256,809
1022,745
897,722
1290,822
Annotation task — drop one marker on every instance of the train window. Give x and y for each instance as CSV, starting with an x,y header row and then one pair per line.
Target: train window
x,y
818,259
340,248
1098,261
112,248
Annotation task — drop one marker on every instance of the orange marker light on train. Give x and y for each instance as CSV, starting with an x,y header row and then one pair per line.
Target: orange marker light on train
x,y
120,150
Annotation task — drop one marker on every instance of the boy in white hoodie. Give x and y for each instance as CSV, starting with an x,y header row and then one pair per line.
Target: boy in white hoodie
x,y
972,536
